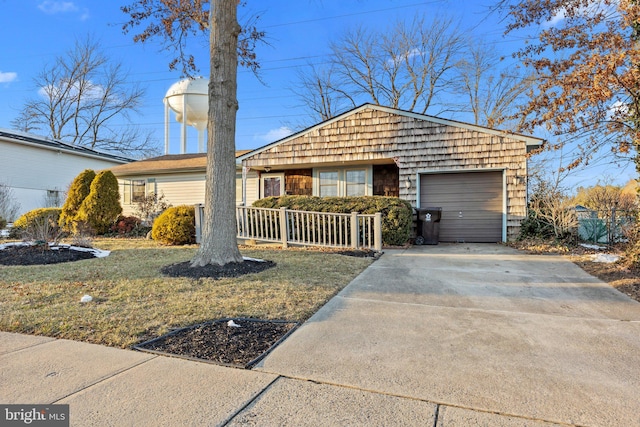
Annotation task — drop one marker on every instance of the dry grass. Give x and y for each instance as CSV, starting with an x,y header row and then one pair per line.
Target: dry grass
x,y
618,274
132,301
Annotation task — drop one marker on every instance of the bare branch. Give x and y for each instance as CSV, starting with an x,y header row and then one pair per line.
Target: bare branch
x,y
81,97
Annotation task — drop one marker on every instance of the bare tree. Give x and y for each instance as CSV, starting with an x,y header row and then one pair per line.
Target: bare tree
x,y
173,20
490,92
406,67
83,99
9,206
317,89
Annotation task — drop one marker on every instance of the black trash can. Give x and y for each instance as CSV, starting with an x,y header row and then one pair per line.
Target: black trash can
x,y
428,226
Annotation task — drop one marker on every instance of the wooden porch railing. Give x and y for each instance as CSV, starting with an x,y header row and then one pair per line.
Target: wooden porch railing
x,y
284,226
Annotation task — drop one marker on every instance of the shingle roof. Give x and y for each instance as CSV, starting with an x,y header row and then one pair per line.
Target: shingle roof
x,y
168,163
529,140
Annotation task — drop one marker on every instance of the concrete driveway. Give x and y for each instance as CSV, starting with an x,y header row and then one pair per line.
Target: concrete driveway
x,y
485,334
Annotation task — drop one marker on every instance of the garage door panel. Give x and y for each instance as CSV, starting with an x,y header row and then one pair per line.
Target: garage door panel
x,y
478,196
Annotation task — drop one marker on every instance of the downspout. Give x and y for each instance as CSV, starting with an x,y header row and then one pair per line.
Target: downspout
x,y
245,170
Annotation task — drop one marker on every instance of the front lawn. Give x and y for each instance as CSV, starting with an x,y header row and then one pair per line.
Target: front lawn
x,y
133,301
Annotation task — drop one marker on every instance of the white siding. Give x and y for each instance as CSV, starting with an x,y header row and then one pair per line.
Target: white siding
x,y
183,189
178,189
30,171
253,187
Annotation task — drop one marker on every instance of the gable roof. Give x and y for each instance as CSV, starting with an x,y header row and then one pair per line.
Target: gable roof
x,y
169,163
37,141
530,141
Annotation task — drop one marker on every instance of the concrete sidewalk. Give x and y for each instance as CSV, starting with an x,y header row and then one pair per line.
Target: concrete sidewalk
x,y
447,335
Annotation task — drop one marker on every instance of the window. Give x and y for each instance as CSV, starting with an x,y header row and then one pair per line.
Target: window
x,y
328,183
343,182
52,199
137,191
272,186
133,191
355,182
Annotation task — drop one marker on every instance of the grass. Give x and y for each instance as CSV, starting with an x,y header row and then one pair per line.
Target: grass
x,y
133,302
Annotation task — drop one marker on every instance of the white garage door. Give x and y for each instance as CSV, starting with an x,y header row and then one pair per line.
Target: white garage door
x,y
471,202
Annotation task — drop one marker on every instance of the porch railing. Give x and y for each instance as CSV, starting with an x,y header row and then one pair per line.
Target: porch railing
x,y
284,226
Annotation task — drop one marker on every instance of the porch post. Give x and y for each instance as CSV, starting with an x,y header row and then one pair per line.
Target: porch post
x,y
245,170
284,233
355,230
377,231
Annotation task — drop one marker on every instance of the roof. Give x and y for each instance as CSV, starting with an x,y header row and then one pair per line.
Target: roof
x,y
169,163
56,145
530,141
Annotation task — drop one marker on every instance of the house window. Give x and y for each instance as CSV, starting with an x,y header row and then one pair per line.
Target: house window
x,y
341,182
355,182
133,191
272,187
52,199
137,191
328,183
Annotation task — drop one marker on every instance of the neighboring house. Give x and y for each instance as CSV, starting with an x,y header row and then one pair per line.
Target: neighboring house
x,y
179,178
477,175
39,170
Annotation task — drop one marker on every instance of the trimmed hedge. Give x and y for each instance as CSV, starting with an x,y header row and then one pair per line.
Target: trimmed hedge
x,y
175,226
397,214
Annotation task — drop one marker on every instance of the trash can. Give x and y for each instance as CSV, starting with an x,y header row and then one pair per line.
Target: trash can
x,y
428,226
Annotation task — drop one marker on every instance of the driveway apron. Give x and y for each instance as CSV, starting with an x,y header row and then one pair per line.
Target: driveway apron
x,y
477,329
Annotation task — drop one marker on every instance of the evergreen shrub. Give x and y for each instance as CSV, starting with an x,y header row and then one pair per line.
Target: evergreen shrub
x,y
35,220
101,207
78,191
175,226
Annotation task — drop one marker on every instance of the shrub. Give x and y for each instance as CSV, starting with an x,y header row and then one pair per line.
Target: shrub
x,y
3,223
150,207
551,214
175,226
78,191
125,224
129,226
101,207
38,225
397,214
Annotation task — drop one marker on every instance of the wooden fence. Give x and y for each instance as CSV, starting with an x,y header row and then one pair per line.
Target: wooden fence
x,y
284,226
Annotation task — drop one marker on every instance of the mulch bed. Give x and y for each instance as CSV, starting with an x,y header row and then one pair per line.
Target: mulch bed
x,y
38,255
184,269
217,342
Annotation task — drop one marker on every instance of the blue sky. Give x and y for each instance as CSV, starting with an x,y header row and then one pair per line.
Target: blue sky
x,y
34,32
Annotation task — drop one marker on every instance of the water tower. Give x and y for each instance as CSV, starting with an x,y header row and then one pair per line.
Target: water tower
x,y
189,99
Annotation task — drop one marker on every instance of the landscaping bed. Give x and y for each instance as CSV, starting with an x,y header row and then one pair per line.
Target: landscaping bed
x,y
239,343
38,255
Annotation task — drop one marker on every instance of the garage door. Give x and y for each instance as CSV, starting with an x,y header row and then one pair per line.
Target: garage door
x,y
471,204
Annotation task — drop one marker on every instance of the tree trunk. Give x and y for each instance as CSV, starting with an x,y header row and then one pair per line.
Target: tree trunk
x,y
219,245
